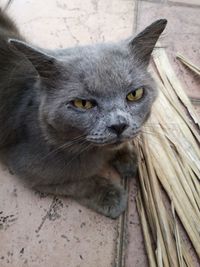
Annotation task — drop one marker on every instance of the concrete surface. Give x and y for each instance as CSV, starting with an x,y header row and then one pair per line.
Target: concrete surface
x,y
45,231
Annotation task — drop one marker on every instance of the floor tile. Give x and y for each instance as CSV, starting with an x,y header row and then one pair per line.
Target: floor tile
x,y
47,231
66,23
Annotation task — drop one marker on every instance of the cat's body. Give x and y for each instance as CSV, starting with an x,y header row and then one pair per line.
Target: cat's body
x,y
66,113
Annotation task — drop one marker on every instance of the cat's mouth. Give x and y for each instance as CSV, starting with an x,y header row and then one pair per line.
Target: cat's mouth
x,y
114,142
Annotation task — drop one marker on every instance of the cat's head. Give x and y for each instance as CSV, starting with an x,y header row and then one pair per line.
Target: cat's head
x,y
101,93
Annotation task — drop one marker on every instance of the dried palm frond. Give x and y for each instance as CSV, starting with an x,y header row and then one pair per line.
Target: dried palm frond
x,y
188,63
169,158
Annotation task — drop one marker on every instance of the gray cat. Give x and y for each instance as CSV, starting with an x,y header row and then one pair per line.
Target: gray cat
x,y
64,114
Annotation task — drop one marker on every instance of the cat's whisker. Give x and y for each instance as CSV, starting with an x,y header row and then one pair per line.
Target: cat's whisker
x,y
169,126
79,152
36,162
147,133
154,133
76,155
69,144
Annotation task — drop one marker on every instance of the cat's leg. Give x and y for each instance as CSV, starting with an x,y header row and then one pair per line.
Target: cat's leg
x,y
125,161
97,193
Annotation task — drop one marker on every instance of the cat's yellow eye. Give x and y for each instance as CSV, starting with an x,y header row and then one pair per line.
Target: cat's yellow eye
x,y
135,95
83,104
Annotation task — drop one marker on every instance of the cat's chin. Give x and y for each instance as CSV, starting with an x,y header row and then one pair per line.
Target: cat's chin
x,y
115,144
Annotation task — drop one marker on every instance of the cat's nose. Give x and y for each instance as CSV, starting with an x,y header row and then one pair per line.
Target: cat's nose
x,y
118,128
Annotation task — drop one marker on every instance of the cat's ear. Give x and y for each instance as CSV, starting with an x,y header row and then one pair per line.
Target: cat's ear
x,y
143,44
44,64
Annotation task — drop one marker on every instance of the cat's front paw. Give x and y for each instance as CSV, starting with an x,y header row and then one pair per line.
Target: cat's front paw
x,y
109,199
112,202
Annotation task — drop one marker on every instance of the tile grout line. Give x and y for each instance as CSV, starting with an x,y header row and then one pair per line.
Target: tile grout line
x,y
135,17
121,244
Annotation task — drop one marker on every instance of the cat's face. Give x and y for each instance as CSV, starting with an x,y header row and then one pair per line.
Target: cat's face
x,y
101,92
104,95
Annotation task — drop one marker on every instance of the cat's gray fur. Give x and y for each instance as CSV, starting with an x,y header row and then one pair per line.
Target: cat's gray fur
x,y
56,148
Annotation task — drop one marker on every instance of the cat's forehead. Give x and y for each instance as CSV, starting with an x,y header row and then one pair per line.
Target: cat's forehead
x,y
104,57
105,67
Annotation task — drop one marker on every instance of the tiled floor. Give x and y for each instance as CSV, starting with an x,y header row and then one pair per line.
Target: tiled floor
x,y
45,231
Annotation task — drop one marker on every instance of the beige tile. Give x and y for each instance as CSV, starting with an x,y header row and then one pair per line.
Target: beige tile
x,y
44,231
64,23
